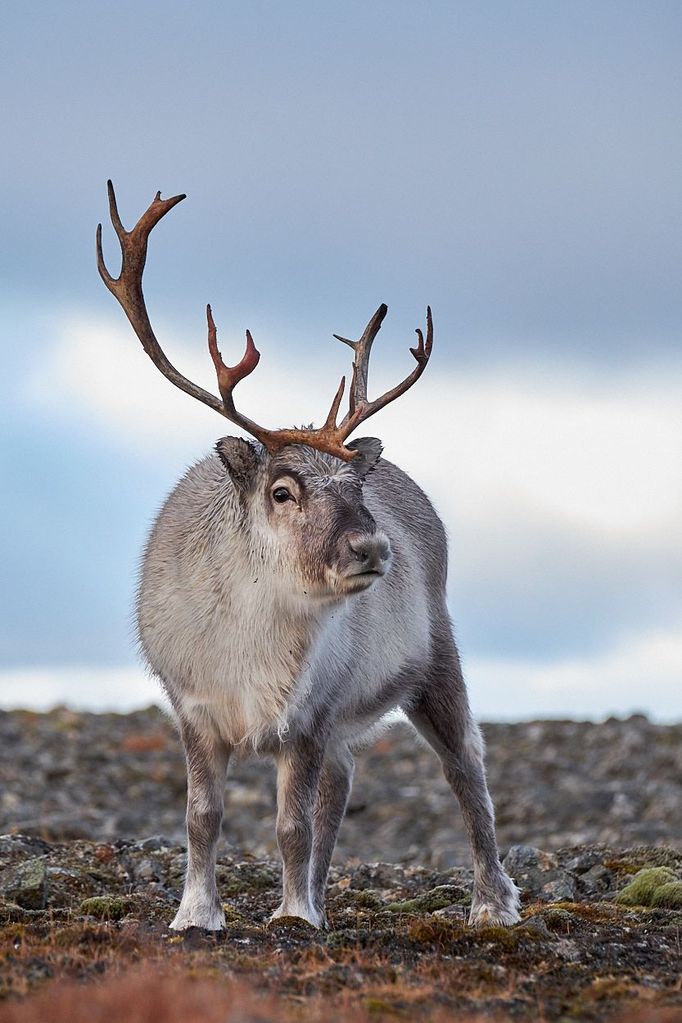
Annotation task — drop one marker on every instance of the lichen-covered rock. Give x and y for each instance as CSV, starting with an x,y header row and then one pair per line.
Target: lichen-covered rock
x,y
539,874
642,890
26,884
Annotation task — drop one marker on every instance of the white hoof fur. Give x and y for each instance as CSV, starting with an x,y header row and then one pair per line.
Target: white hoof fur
x,y
307,913
496,904
199,912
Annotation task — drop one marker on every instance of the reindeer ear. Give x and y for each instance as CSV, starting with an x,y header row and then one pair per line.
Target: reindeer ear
x,y
240,458
369,452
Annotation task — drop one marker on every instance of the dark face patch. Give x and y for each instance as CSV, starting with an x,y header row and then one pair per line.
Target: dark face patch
x,y
314,503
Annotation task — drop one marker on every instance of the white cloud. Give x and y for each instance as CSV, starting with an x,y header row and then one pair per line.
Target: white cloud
x,y
598,452
601,455
81,688
520,462
640,673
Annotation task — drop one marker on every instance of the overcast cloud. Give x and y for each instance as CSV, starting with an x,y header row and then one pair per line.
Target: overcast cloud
x,y
517,166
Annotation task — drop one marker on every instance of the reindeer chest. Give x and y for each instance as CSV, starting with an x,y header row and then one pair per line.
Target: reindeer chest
x,y
246,670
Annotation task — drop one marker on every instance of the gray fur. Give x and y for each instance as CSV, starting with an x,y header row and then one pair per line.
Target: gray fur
x,y
290,628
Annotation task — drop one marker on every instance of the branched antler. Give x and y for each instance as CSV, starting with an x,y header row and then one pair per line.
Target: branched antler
x,y
127,289
359,407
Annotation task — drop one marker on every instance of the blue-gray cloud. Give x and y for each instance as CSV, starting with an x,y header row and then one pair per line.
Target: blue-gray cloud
x,y
517,166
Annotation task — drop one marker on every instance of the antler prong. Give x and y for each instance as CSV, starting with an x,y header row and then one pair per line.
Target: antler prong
x,y
101,265
113,211
229,376
330,422
346,341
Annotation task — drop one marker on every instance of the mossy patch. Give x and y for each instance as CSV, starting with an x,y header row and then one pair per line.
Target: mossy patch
x,y
644,885
438,898
105,907
668,896
365,900
245,878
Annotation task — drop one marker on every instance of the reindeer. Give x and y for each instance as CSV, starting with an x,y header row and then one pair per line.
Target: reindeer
x,y
292,593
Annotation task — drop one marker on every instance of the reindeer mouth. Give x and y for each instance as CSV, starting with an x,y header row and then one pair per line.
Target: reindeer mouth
x,y
363,579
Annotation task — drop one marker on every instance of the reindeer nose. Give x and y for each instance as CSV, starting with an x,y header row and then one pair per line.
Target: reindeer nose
x,y
371,550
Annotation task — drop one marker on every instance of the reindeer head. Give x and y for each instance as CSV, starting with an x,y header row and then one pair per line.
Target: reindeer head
x,y
301,487
306,515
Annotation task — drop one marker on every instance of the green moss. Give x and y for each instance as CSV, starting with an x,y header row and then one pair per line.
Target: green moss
x,y
438,898
644,885
623,866
104,907
668,896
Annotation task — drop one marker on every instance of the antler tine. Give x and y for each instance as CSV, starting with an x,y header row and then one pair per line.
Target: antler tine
x,y
362,349
363,409
229,376
330,422
127,287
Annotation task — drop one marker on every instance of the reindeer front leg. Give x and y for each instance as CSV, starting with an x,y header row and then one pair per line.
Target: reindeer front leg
x,y
207,760
336,780
298,773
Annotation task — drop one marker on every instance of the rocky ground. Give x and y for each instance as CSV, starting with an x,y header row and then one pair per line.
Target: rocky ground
x,y
589,827
554,783
600,933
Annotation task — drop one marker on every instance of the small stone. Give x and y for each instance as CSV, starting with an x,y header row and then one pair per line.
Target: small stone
x,y
568,950
534,870
585,861
154,843
527,857
147,870
26,884
537,924
560,890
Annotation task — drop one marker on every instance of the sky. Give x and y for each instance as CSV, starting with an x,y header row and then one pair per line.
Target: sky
x,y
518,166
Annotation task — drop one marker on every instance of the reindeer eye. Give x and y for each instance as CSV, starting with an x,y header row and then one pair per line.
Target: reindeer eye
x,y
281,494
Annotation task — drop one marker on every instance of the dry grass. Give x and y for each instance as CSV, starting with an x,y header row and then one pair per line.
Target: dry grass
x,y
145,996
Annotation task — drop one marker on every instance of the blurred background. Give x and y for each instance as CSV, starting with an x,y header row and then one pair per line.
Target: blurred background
x,y
516,166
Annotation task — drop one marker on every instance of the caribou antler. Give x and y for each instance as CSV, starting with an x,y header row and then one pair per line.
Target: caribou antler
x,y
127,288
